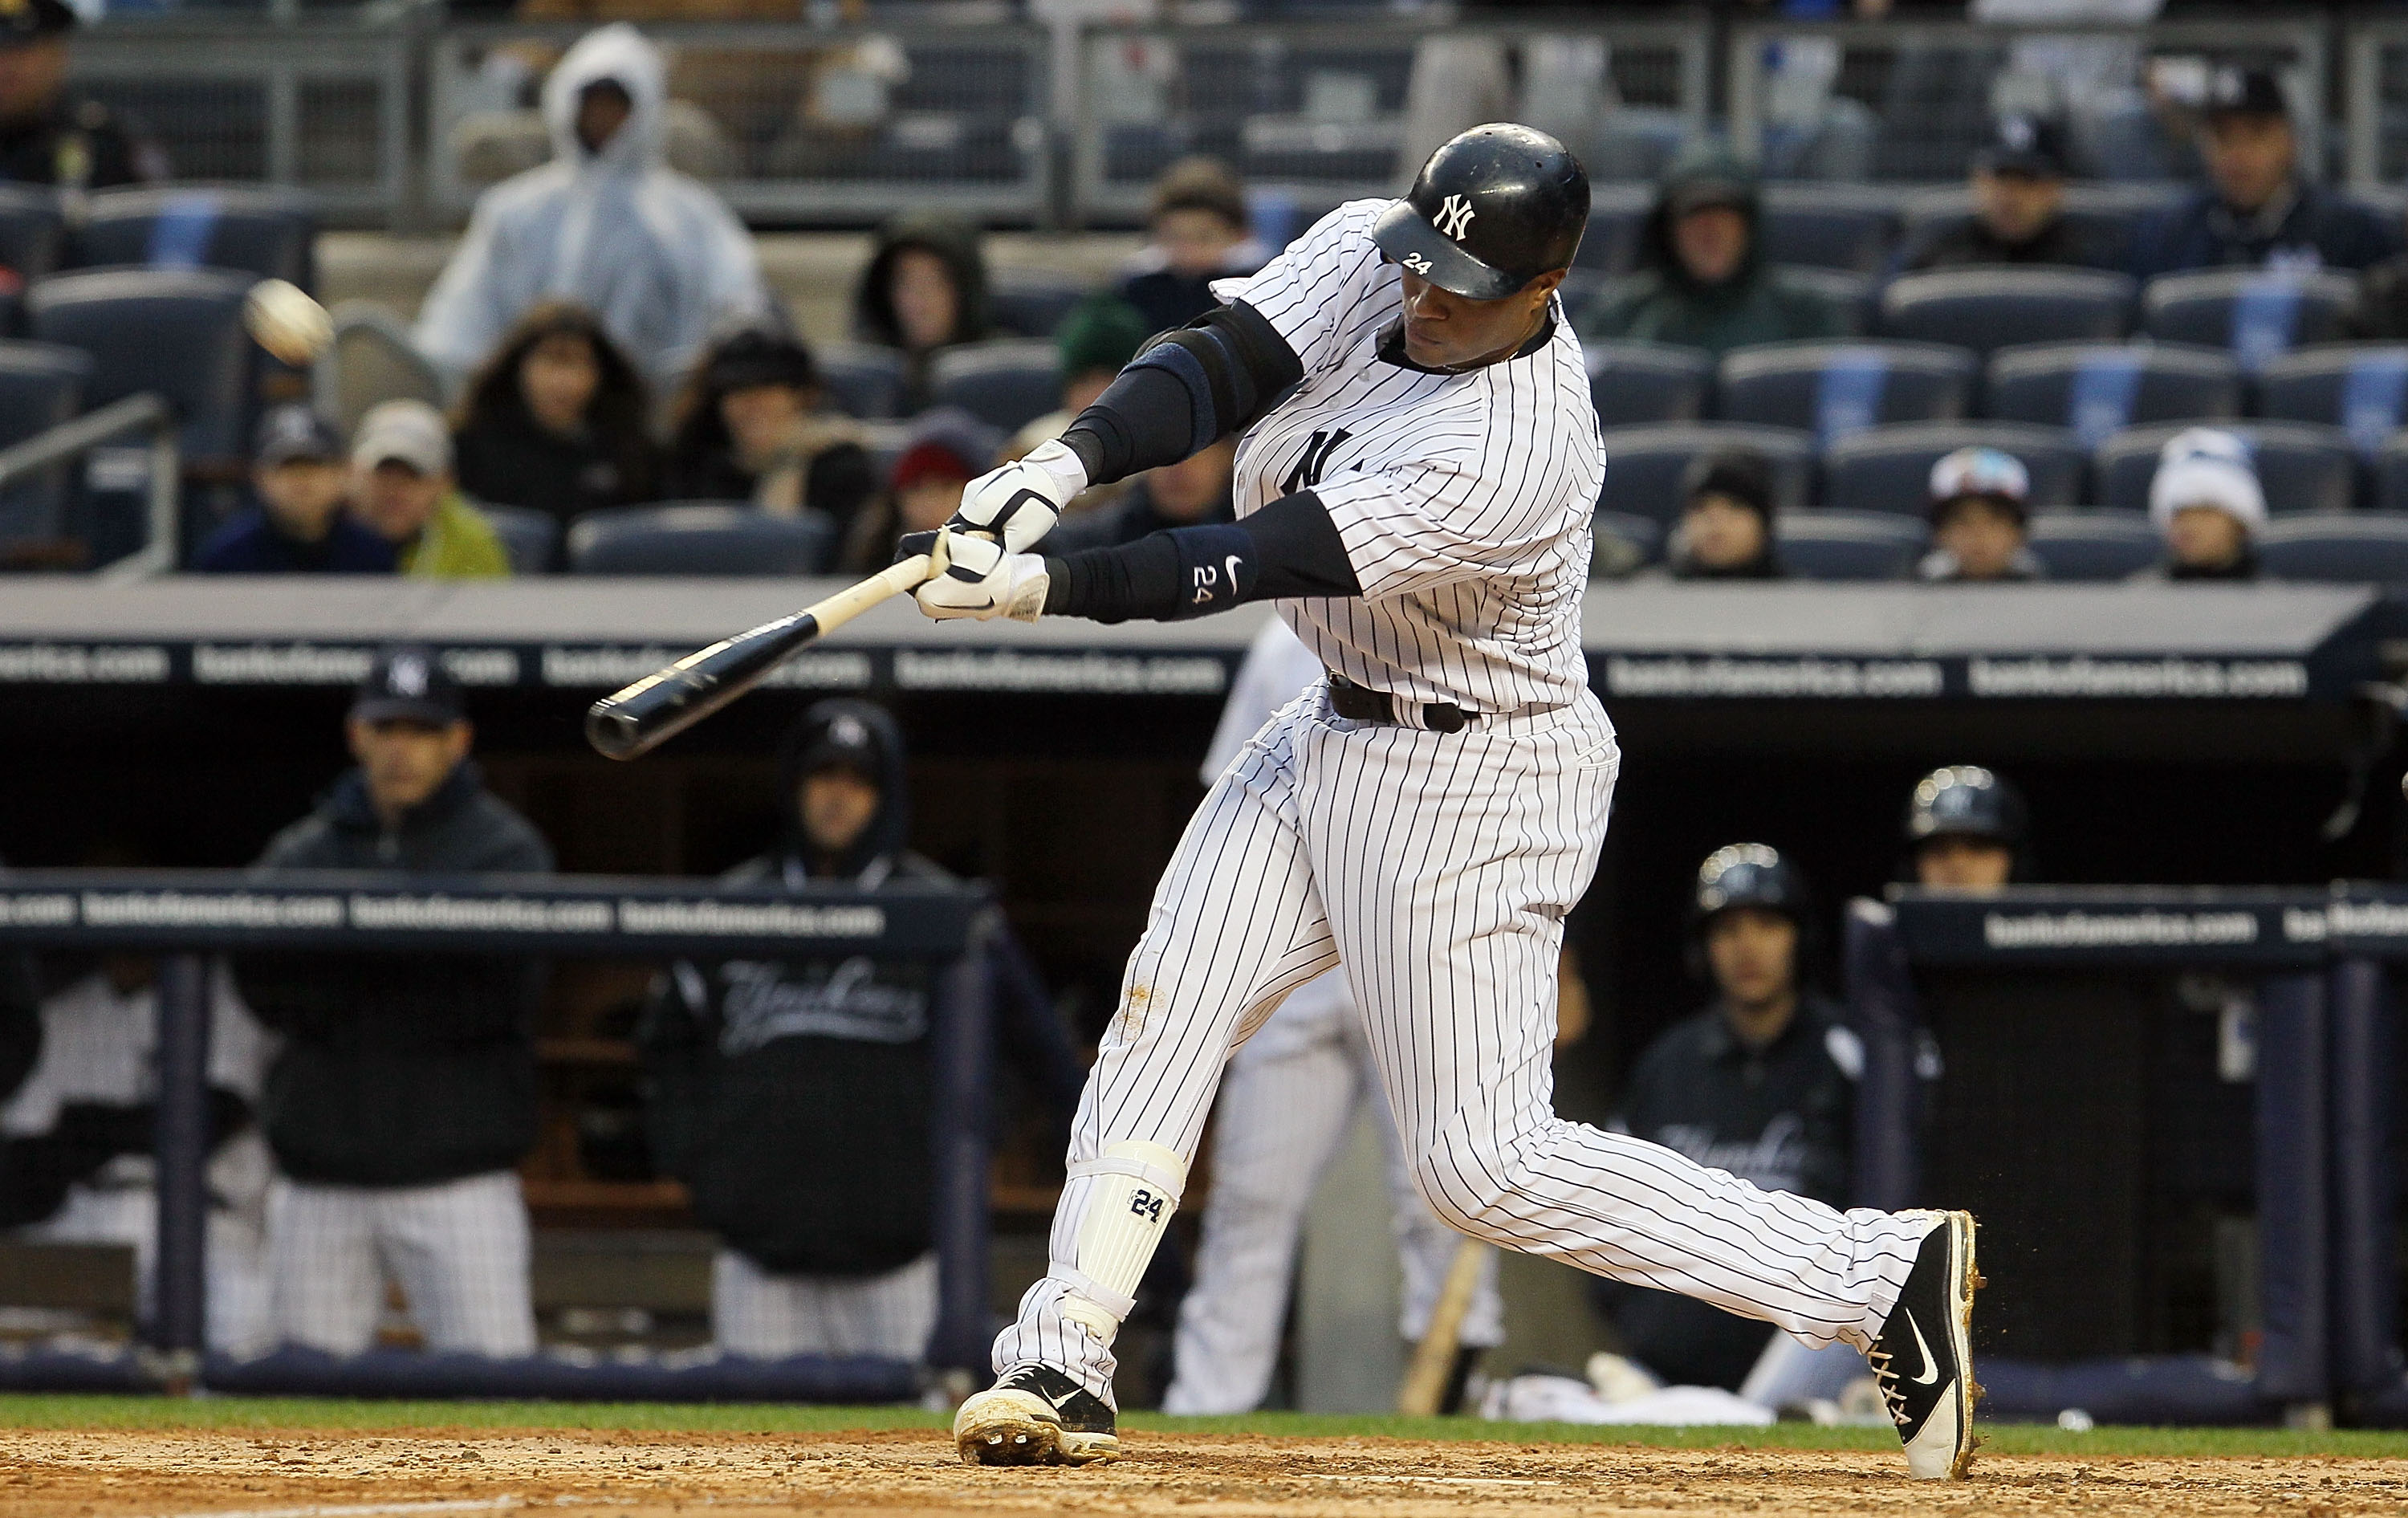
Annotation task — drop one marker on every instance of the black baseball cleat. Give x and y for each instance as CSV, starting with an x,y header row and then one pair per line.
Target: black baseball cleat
x,y
1036,1416
1924,1359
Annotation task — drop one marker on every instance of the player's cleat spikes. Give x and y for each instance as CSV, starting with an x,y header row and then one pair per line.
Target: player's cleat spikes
x,y
1924,1360
1035,1416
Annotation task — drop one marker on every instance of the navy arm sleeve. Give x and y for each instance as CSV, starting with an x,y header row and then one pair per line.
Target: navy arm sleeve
x,y
1289,547
1198,385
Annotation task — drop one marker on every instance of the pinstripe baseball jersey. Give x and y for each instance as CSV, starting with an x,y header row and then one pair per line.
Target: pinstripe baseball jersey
x,y
1463,500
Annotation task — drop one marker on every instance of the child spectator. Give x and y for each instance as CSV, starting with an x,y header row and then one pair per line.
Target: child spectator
x,y
299,525
557,420
750,427
402,489
49,135
1726,531
2207,504
949,447
1978,523
924,290
657,257
1198,223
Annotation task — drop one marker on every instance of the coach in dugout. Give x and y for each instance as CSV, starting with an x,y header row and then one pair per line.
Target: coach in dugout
x,y
405,1091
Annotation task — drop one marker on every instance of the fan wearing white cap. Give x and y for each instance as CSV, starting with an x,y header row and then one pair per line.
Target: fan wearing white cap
x,y
402,489
2208,506
1979,498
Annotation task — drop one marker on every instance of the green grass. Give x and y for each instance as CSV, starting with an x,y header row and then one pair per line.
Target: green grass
x,y
299,1414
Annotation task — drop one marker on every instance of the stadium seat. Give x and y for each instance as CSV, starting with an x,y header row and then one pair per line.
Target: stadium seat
x,y
1617,217
699,538
1634,383
1889,469
2390,471
2094,545
1834,389
1813,231
2302,466
41,386
1031,302
272,234
1987,308
2259,314
1643,465
2097,389
2364,548
1624,543
1849,293
1846,545
175,331
2361,388
531,538
863,381
1006,384
32,231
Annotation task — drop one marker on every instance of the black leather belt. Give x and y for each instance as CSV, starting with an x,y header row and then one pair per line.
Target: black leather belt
x,y
1361,704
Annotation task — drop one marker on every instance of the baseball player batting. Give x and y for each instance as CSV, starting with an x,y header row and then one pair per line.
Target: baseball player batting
x,y
1416,467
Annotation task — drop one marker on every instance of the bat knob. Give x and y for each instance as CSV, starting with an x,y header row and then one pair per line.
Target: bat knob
x,y
614,733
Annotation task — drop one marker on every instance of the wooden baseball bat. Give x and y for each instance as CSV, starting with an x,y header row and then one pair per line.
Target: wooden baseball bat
x,y
665,703
1434,1356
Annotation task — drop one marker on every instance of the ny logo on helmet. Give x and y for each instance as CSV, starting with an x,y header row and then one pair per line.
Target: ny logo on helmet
x,y
1454,216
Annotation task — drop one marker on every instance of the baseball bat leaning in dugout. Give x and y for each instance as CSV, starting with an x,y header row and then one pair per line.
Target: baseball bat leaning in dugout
x,y
1434,1356
665,703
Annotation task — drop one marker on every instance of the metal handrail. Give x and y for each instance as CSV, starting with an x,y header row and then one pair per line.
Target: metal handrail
x,y
148,411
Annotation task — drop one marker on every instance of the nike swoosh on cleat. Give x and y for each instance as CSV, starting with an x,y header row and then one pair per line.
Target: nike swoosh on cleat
x,y
1931,1367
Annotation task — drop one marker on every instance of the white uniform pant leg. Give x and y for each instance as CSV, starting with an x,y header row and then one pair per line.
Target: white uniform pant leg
x,y
325,1287
1426,1247
1236,925
459,1248
767,1316
1285,1105
1447,863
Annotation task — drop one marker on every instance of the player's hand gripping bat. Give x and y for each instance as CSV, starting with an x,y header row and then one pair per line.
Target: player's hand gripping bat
x,y
662,705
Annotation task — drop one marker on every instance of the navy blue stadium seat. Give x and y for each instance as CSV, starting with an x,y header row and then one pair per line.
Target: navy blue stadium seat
x,y
1845,291
1030,302
1846,545
2301,467
531,538
1813,231
2097,389
1987,308
175,331
1632,383
2361,388
863,381
1006,383
1618,215
699,538
1889,469
270,233
2363,548
32,231
1834,389
2257,313
2094,545
1643,465
2390,471
41,386
1624,543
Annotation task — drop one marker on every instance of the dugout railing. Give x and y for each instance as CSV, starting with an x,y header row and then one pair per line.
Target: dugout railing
x,y
188,917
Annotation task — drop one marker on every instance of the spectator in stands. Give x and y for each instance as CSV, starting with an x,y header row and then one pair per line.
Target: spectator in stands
x,y
402,489
1966,829
1726,529
1703,281
1184,495
405,1091
2258,209
299,525
656,256
924,290
557,420
1197,235
76,1141
751,425
2018,184
949,449
1979,500
2206,502
1759,1083
49,135
1092,344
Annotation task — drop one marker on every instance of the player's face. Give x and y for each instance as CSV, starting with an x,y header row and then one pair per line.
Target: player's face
x,y
2205,538
1984,536
1958,862
1753,952
302,495
2248,156
2016,207
1447,330
1711,243
836,804
1718,533
926,305
397,500
404,761
1194,242
558,377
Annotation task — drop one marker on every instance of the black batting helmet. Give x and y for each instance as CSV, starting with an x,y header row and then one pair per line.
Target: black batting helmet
x,y
1966,801
1493,209
1749,875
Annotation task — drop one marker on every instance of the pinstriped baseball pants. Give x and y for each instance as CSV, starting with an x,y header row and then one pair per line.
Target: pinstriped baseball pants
x,y
1438,868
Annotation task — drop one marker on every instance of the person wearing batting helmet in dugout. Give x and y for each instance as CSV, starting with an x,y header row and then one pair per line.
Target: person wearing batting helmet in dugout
x,y
1417,464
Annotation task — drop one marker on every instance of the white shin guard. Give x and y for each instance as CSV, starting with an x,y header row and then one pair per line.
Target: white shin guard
x,y
1136,1190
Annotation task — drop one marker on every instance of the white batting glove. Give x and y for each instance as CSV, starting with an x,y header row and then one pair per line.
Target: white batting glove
x,y
1019,502
984,581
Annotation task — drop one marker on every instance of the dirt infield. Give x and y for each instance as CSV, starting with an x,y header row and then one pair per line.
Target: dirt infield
x,y
440,1473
